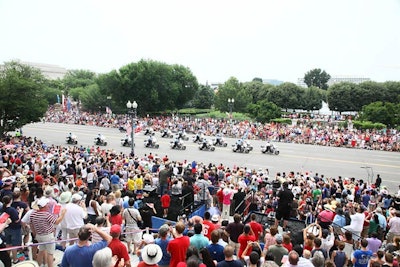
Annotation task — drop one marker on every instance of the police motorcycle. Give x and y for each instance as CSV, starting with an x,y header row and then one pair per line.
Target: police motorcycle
x,y
151,142
247,144
198,138
100,140
206,145
177,143
71,139
219,141
240,147
270,149
182,135
166,133
127,141
149,131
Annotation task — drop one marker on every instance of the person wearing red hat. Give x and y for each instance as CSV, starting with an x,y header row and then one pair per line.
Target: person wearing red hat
x,y
117,247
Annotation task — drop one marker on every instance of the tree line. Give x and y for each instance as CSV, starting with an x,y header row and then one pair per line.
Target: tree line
x,y
158,87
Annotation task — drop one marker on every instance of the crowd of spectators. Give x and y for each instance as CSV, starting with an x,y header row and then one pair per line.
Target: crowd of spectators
x,y
84,201
314,130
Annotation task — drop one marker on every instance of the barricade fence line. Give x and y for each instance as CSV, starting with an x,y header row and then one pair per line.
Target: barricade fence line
x,y
29,245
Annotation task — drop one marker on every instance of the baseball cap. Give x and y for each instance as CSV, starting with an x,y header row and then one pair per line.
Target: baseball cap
x,y
115,229
279,238
76,197
42,202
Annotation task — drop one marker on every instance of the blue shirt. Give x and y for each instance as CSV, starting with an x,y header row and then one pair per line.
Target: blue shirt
x,y
114,179
75,256
362,257
216,252
163,245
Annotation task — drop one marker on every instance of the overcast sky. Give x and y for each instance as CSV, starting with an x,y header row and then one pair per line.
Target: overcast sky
x,y
216,39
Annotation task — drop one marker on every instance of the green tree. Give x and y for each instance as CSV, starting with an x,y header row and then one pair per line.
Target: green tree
x,y
264,111
343,97
232,88
392,92
317,78
313,98
255,89
386,113
204,97
92,99
287,96
78,78
369,92
22,97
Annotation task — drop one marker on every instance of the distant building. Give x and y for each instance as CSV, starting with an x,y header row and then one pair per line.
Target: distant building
x,y
338,79
272,81
51,72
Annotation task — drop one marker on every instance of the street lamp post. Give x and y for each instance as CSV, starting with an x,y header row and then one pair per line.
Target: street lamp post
x,y
132,112
231,101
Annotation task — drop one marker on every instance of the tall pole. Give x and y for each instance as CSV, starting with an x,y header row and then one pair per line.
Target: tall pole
x,y
132,112
230,104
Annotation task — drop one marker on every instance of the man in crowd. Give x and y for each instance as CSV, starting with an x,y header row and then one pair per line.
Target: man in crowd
x,y
285,200
178,246
117,247
74,218
229,260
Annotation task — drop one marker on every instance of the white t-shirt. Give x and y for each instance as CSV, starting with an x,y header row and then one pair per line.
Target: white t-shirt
x,y
357,221
74,216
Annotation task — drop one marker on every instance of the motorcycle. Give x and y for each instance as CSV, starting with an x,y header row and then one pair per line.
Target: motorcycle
x,y
126,142
247,144
149,131
183,136
71,140
122,129
243,149
208,146
178,146
198,138
220,143
166,134
273,149
100,142
153,144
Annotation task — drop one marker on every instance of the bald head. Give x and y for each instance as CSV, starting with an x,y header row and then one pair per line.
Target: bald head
x,y
293,257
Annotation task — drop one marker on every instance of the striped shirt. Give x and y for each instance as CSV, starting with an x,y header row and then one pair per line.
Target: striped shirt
x,y
43,222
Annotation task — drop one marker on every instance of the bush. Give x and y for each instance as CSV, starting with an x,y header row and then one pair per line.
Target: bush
x,y
282,121
368,125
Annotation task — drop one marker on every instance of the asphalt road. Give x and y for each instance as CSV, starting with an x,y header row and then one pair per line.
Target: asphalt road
x,y
330,161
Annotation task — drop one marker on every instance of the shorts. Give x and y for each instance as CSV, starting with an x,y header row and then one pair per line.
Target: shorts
x,y
283,214
136,237
13,237
73,233
50,248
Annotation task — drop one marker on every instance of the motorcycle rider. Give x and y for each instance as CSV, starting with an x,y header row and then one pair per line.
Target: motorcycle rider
x,y
127,139
150,141
218,139
100,138
268,146
199,137
239,144
176,142
181,134
166,133
69,137
205,143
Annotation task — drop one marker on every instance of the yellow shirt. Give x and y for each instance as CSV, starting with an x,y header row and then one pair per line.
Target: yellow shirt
x,y
139,184
130,184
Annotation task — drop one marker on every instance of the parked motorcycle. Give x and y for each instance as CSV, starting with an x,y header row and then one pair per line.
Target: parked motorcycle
x,y
272,149
71,140
242,149
177,144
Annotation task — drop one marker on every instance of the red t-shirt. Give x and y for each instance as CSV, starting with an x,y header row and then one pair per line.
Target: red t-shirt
x,y
289,246
242,240
116,219
220,196
165,201
177,248
257,228
208,227
143,264
119,249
